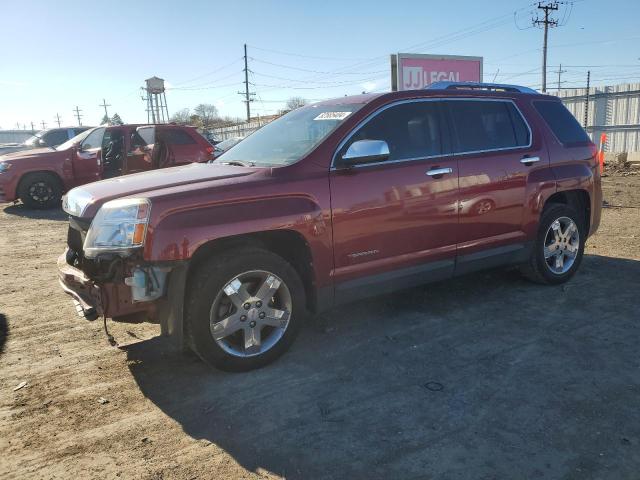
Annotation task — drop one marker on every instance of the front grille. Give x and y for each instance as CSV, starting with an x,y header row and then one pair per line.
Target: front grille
x,y
74,240
76,234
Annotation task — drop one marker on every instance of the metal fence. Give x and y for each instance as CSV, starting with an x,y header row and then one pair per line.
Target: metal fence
x,y
614,110
240,129
15,136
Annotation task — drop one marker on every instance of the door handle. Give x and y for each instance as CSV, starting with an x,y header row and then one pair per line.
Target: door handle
x,y
528,160
434,172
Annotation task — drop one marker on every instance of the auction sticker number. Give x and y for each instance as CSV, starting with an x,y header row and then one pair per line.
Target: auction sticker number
x,y
332,116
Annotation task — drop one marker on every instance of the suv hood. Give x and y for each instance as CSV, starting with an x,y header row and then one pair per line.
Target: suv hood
x,y
27,154
86,200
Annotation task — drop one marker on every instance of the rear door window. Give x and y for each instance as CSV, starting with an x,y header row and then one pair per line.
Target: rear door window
x,y
411,130
178,137
485,125
146,135
563,125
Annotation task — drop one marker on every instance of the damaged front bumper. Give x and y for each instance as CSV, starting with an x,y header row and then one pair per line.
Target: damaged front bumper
x,y
138,293
128,299
84,292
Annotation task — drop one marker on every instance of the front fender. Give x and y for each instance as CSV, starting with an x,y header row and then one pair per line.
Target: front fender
x,y
178,234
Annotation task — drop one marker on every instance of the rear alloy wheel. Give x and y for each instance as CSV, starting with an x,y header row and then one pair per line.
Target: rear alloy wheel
x,y
243,309
559,246
40,190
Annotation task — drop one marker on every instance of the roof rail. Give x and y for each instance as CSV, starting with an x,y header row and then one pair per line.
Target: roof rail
x,y
496,87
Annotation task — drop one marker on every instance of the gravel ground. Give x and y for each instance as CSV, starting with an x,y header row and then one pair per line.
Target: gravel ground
x,y
486,376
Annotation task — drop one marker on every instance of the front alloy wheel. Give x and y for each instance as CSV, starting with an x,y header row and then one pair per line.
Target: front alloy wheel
x,y
251,313
243,308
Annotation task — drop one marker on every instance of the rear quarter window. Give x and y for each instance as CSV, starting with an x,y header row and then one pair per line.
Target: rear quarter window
x,y
563,125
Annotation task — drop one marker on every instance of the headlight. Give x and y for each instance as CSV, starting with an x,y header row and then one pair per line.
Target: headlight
x,y
119,226
4,166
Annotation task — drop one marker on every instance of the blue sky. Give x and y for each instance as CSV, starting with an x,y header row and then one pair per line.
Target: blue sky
x,y
57,55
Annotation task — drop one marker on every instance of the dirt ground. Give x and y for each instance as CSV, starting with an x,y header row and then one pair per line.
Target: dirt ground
x,y
486,376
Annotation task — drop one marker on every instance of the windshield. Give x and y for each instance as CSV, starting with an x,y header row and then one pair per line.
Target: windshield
x,y
228,143
77,139
290,137
31,141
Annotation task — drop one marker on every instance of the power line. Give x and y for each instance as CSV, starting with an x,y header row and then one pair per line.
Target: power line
x,y
78,116
247,95
560,72
237,60
586,100
279,52
312,81
105,105
547,21
189,89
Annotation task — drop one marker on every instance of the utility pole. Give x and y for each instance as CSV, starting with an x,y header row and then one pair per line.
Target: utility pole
x,y
105,105
560,72
58,119
547,22
246,93
586,101
32,127
44,124
78,116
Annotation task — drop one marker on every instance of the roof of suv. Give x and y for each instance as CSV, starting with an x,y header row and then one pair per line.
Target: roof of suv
x,y
459,91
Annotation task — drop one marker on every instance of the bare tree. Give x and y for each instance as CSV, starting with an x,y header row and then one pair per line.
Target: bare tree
x,y
181,117
295,102
207,113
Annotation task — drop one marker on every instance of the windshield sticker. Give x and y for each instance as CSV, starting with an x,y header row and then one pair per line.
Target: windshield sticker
x,y
332,116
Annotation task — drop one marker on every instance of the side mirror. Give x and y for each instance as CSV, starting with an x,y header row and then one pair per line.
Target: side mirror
x,y
42,143
366,151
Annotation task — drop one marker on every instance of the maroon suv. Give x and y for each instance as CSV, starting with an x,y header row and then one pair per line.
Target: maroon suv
x,y
40,176
330,203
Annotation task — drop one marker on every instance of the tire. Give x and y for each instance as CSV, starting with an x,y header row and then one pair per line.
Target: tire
x,y
541,266
214,294
40,191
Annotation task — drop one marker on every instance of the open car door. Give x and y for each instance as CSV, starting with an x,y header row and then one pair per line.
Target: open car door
x,y
87,158
140,150
164,154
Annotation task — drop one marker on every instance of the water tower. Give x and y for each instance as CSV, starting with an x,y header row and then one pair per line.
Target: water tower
x,y
157,111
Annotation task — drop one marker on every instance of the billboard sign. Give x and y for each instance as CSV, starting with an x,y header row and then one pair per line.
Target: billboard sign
x,y
411,71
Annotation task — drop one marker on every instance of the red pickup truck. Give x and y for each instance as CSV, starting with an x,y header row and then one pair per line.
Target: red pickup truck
x,y
334,202
40,176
